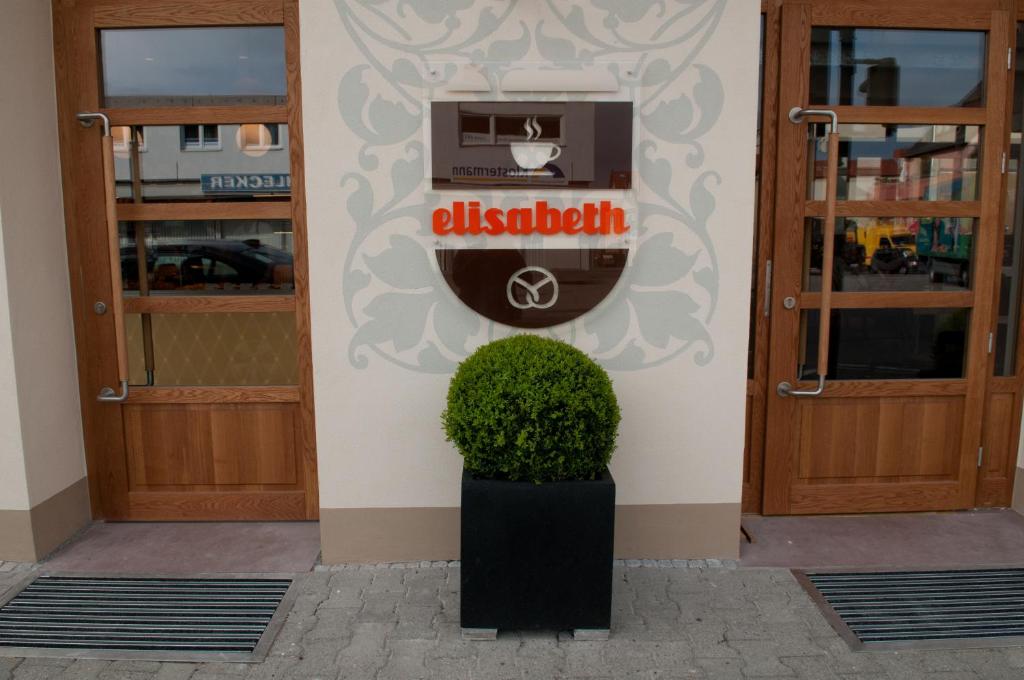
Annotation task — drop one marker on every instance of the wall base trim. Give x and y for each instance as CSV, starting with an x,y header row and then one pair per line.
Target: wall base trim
x,y
30,535
388,534
677,531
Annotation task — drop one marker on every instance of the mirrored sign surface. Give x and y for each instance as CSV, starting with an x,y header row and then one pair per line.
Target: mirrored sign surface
x,y
508,145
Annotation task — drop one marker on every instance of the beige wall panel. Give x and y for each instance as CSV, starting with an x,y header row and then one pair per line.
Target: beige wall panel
x,y
387,332
34,250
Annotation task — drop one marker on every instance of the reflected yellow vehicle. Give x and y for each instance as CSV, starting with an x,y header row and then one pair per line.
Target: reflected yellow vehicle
x,y
870,235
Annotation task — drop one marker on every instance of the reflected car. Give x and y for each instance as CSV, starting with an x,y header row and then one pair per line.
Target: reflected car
x,y
210,265
894,260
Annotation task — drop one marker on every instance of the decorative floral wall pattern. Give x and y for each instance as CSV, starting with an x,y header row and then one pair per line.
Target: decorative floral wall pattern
x,y
396,299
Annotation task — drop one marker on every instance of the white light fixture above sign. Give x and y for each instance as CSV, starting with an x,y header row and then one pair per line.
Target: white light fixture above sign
x,y
469,78
536,79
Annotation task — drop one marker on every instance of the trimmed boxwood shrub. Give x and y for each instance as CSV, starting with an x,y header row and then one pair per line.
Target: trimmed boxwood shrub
x,y
532,408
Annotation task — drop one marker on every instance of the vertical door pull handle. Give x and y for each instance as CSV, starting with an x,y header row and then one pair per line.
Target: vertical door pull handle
x,y
107,394
799,115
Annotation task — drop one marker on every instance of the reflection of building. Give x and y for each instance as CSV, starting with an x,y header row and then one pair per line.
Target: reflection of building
x,y
903,162
205,162
509,144
187,162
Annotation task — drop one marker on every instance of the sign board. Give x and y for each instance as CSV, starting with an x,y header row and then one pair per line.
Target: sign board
x,y
539,146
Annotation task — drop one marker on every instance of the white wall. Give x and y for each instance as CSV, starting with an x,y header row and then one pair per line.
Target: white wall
x,y
386,330
36,297
13,485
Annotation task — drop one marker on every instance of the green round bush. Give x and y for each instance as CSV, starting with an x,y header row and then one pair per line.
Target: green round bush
x,y
531,408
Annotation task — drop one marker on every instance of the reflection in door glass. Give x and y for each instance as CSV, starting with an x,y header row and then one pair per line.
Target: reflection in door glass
x,y
193,66
892,67
202,162
899,162
752,337
1008,319
208,257
887,344
892,253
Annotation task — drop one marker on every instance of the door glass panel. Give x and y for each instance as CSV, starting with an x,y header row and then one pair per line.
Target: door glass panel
x,y
887,344
233,348
894,67
893,253
752,337
202,162
233,257
145,67
899,162
1008,318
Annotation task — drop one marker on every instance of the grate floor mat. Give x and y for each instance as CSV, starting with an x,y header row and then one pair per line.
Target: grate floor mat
x,y
978,607
144,617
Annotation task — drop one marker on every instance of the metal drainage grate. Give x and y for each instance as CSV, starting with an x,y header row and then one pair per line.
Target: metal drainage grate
x,y
169,618
922,608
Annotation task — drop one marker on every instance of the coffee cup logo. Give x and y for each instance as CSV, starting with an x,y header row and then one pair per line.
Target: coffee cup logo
x,y
531,154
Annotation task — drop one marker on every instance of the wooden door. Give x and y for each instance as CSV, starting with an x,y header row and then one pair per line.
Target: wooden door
x,y
207,254
919,92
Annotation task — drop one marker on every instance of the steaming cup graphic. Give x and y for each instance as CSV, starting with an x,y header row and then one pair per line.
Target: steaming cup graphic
x,y
534,155
531,154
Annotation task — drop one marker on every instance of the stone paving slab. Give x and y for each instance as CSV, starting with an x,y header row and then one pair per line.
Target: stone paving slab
x,y
671,621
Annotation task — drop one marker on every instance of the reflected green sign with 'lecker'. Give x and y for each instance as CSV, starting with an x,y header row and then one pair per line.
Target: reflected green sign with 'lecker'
x,y
228,183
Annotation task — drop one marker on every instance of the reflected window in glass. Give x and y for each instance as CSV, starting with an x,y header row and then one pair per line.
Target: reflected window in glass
x,y
212,257
887,344
899,162
475,130
252,162
897,67
208,66
122,135
200,138
259,136
1008,319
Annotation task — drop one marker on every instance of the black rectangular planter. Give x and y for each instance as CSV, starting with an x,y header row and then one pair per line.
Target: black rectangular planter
x,y
537,556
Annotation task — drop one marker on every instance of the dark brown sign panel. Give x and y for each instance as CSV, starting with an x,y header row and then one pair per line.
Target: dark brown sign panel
x,y
509,145
532,288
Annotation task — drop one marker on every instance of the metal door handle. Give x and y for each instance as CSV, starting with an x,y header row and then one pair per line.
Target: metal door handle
x,y
785,389
107,394
798,115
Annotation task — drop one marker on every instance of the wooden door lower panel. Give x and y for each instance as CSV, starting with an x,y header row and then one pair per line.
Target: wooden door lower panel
x,y
1000,432
826,499
877,454
156,506
214,461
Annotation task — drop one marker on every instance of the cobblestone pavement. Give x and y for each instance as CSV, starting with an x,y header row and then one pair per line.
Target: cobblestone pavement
x,y
401,622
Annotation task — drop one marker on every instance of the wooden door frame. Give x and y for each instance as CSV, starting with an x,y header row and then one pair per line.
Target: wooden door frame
x,y
753,459
988,15
75,23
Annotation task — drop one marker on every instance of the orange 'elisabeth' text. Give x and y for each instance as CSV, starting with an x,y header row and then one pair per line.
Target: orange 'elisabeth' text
x,y
468,218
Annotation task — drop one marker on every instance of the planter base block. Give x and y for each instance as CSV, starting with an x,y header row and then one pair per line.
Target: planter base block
x,y
480,634
590,634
